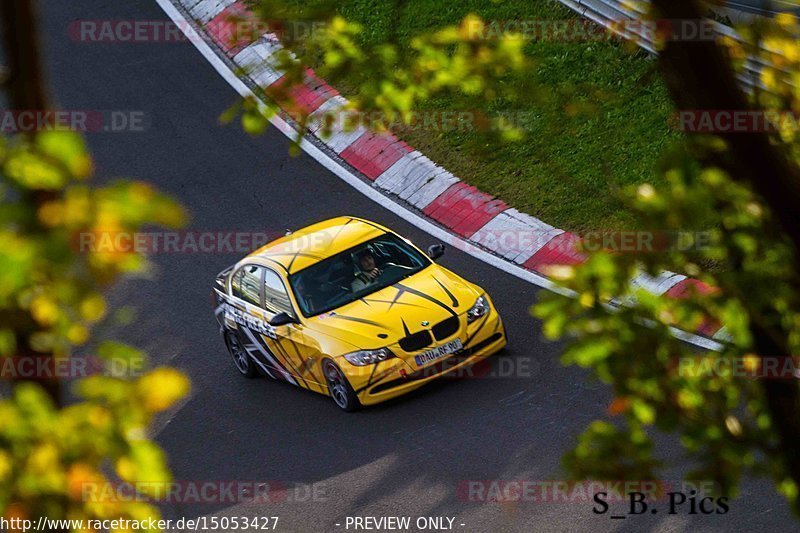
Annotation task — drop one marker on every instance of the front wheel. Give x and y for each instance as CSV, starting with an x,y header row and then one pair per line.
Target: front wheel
x,y
244,364
339,388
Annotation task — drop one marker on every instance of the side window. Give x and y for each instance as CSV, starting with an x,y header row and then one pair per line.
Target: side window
x,y
275,296
246,284
236,283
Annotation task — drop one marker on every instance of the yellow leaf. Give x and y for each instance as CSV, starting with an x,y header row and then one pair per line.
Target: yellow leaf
x,y
5,465
769,79
33,172
787,20
51,214
751,363
141,192
560,272
77,334
587,299
93,308
69,148
161,388
44,458
82,480
99,417
44,310
126,469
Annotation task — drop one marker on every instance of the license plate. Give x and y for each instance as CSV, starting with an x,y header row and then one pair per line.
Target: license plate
x,y
437,353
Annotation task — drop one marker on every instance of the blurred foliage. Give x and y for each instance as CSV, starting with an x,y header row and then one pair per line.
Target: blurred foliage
x,y
51,296
722,419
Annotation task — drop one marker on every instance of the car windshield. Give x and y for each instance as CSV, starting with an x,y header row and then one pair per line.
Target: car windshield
x,y
354,273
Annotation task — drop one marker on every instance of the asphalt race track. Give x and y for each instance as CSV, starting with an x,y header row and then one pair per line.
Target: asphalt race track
x,y
404,458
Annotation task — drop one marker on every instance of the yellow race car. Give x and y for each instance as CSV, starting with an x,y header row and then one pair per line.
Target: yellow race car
x,y
349,309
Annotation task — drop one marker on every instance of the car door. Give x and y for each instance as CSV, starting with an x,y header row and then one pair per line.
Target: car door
x,y
247,317
296,352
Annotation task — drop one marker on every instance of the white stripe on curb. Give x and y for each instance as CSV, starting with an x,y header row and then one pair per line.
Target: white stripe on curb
x,y
430,189
723,335
514,235
256,60
416,179
205,10
373,194
331,106
656,285
340,139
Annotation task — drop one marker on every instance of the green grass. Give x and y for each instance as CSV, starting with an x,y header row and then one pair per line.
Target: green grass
x,y
571,165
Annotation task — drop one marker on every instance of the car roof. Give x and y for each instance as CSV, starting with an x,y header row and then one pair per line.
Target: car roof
x,y
312,244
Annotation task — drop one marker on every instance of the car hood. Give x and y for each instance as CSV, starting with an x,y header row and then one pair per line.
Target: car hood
x,y
384,317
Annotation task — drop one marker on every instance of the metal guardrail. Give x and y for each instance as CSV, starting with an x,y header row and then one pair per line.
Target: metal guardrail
x,y
765,8
612,14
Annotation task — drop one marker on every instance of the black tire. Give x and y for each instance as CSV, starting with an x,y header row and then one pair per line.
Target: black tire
x,y
339,388
241,359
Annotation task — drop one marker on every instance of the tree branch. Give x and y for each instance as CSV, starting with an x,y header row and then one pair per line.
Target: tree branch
x,y
25,85
25,90
699,76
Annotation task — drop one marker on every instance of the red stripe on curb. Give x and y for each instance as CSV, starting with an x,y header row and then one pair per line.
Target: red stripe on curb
x,y
305,98
445,200
709,327
373,153
224,29
464,209
561,250
684,289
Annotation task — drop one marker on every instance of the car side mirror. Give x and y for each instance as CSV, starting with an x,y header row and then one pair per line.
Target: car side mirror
x,y
281,319
435,251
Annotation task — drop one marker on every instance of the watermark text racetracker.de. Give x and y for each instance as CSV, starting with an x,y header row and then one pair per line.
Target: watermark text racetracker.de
x,y
618,241
748,366
718,121
45,367
435,120
585,30
563,491
205,491
234,28
77,120
173,242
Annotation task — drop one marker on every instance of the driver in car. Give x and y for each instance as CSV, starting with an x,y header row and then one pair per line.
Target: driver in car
x,y
369,271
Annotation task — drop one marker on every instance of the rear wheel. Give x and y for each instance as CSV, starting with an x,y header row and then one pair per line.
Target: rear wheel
x,y
244,364
339,388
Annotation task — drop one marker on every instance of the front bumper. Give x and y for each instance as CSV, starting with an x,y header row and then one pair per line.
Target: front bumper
x,y
400,375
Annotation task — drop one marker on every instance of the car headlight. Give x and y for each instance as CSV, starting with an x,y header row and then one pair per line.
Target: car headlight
x,y
480,308
368,357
